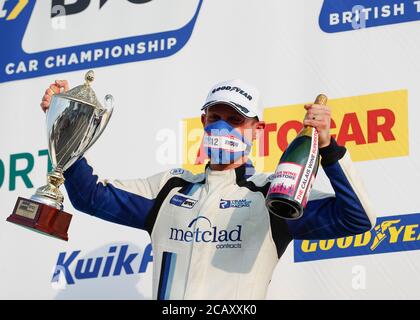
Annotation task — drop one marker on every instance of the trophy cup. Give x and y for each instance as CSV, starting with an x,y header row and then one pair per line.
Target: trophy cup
x,y
75,120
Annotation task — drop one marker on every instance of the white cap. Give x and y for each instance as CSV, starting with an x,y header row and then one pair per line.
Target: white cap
x,y
237,94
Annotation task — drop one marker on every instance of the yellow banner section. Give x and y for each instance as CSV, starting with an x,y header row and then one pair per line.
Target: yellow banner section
x,y
373,126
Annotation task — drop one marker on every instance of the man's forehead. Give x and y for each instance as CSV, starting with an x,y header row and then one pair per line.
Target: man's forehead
x,y
223,108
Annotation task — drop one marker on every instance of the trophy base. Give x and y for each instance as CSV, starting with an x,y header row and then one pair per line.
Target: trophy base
x,y
41,217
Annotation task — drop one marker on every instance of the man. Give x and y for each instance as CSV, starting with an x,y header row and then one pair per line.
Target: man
x,y
212,235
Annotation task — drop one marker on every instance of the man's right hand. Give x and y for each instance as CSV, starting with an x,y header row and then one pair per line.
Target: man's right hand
x,y
58,86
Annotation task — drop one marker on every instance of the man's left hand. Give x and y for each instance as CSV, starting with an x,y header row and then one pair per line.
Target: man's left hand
x,y
319,117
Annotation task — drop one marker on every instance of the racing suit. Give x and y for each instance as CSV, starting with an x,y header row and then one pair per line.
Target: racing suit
x,y
211,233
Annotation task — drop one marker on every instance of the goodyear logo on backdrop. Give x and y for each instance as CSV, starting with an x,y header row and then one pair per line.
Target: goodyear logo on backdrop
x,y
48,37
391,234
346,15
373,126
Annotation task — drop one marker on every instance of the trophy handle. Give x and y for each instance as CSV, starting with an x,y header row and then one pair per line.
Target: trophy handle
x,y
103,117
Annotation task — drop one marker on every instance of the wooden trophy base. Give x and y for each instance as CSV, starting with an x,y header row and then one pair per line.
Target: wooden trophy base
x,y
41,217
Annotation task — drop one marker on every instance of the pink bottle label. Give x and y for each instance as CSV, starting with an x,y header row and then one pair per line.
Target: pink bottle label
x,y
286,179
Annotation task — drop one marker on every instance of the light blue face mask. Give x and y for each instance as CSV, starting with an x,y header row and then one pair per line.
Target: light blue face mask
x,y
224,144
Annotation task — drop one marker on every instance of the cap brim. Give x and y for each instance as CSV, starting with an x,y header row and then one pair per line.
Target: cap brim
x,y
242,110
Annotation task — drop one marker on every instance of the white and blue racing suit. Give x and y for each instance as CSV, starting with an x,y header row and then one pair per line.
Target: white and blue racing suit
x,y
212,235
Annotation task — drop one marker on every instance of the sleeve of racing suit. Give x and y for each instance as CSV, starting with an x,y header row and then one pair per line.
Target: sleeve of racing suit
x,y
123,202
348,212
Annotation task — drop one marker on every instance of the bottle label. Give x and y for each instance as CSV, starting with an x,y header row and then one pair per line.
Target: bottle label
x,y
306,198
286,179
304,184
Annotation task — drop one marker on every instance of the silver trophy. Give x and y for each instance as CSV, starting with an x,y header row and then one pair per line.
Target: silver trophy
x,y
75,120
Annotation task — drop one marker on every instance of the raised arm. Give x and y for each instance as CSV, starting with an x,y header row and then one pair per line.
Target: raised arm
x,y
123,202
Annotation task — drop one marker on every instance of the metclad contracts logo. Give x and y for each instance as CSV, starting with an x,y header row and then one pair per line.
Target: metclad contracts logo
x,y
201,229
391,234
49,37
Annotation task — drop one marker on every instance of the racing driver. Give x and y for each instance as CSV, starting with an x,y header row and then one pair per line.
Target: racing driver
x,y
211,233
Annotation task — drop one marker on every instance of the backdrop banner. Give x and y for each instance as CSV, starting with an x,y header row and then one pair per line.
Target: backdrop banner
x,y
159,58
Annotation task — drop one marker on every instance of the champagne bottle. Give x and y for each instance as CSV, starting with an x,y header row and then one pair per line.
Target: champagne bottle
x,y
293,179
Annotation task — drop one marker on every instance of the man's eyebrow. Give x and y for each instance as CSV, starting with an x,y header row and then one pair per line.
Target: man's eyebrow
x,y
236,116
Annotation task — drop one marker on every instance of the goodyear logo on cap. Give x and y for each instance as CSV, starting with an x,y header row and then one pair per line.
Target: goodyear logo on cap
x,y
391,234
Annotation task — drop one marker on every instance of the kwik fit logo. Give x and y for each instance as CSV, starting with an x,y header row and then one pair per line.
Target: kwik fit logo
x,y
391,234
348,15
105,41
201,229
117,262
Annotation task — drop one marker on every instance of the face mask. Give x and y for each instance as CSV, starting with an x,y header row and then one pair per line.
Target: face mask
x,y
224,144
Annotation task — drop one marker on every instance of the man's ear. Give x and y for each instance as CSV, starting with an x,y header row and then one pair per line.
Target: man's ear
x,y
259,126
203,119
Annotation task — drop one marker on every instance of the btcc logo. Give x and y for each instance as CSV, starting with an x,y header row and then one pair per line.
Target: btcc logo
x,y
59,7
391,234
22,22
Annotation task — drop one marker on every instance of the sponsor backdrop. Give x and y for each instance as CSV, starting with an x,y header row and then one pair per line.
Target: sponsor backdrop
x,y
158,58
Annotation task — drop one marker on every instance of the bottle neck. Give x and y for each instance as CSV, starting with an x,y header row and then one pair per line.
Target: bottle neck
x,y
306,131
